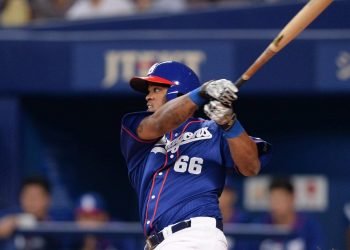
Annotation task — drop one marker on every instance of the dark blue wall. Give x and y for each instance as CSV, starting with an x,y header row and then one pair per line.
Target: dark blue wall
x,y
10,173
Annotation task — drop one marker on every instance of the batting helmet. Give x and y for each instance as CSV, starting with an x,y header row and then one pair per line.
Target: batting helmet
x,y
90,203
178,77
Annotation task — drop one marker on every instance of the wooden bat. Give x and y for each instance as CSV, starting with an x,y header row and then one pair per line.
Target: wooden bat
x,y
295,26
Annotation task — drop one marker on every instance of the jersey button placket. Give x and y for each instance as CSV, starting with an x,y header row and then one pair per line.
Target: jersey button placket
x,y
152,201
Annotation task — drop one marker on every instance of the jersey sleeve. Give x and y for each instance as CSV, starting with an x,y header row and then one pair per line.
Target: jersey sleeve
x,y
132,147
264,152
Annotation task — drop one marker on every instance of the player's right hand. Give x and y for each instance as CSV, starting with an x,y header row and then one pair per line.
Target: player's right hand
x,y
220,113
221,90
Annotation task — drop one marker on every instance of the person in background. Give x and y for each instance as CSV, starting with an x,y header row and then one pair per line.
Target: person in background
x,y
161,6
91,213
49,9
202,3
15,13
2,4
35,200
347,231
87,9
306,232
210,4
231,213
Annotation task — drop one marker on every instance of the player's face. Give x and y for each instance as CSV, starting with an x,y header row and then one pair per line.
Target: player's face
x,y
281,203
155,97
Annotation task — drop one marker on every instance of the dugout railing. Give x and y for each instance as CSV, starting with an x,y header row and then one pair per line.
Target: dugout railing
x,y
133,230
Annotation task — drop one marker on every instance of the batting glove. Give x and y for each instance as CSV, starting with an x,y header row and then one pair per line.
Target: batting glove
x,y
220,113
221,90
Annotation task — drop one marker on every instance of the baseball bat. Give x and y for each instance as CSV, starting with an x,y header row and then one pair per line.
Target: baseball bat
x,y
295,26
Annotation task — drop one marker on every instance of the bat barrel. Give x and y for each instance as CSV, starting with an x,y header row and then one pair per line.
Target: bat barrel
x,y
298,23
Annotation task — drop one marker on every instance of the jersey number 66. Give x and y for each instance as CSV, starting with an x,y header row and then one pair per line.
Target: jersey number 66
x,y
193,165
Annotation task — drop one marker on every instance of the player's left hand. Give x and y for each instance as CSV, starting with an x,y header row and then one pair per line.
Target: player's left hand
x,y
220,113
221,90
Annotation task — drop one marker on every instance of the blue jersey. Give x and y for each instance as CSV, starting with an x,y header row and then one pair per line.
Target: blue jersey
x,y
178,176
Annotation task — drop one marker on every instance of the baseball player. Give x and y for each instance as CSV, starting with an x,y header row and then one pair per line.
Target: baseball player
x,y
176,162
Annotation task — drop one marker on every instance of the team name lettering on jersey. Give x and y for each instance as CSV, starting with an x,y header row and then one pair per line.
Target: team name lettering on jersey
x,y
200,134
188,137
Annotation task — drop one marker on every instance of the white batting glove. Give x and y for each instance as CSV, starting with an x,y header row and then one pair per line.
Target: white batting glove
x,y
222,90
220,113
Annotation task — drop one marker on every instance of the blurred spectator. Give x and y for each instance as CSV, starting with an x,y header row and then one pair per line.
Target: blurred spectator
x,y
91,212
347,232
306,231
35,199
15,12
195,4
84,9
231,213
161,6
202,3
2,4
44,9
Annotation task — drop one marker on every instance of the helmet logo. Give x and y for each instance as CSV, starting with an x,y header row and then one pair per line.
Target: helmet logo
x,y
151,69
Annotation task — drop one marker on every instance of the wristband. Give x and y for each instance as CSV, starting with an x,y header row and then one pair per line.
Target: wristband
x,y
196,97
234,131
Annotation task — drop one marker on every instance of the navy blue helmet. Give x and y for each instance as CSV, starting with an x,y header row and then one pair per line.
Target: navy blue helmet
x,y
178,77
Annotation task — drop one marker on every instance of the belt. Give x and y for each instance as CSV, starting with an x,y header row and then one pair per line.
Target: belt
x,y
155,239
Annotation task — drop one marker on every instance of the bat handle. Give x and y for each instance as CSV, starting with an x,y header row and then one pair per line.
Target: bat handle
x,y
239,83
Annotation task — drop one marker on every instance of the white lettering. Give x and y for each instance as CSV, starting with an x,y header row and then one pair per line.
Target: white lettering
x,y
192,165
200,134
121,65
343,64
111,69
156,150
